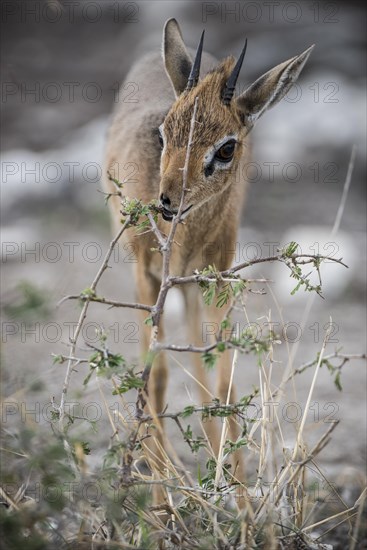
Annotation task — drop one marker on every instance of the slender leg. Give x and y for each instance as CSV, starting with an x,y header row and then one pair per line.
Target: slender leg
x,y
224,366
197,333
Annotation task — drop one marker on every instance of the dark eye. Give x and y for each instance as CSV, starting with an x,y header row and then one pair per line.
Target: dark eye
x,y
160,139
160,136
226,152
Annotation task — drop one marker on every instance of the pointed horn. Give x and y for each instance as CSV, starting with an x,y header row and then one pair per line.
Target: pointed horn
x,y
232,80
195,70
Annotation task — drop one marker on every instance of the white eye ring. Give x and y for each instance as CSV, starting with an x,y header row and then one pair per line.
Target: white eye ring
x,y
209,157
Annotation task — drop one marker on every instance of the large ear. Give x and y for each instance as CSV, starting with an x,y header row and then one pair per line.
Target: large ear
x,y
176,58
270,87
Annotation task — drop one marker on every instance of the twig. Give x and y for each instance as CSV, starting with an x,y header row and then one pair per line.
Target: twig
x,y
134,305
166,248
82,316
197,277
106,301
157,233
69,358
336,355
190,348
157,309
209,410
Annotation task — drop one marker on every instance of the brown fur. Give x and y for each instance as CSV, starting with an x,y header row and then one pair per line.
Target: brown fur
x,y
217,199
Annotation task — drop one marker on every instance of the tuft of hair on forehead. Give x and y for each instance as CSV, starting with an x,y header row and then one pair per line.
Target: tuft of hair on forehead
x,y
214,81
213,117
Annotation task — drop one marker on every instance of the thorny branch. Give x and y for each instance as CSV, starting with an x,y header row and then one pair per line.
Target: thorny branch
x,y
166,247
157,309
145,307
101,300
298,259
82,316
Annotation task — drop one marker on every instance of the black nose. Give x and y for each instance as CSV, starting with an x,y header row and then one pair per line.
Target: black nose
x,y
165,200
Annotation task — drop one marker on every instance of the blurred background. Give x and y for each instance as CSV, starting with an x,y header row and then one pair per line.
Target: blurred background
x,y
62,64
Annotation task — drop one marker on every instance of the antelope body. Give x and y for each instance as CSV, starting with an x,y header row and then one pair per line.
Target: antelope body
x,y
151,136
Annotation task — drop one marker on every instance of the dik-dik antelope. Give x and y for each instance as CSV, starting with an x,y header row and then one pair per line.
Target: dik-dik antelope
x,y
152,135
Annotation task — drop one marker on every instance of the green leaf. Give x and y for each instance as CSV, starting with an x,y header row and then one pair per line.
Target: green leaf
x,y
87,293
239,287
86,447
188,411
115,180
221,347
188,432
209,359
296,288
337,381
291,249
225,324
104,363
196,444
87,378
232,446
209,293
55,415
224,295
143,226
129,381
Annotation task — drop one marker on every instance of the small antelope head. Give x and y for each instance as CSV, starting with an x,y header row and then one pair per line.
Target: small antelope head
x,y
222,122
